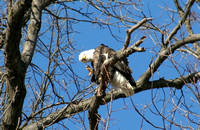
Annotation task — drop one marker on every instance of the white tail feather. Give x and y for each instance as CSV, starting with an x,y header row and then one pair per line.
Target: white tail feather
x,y
120,83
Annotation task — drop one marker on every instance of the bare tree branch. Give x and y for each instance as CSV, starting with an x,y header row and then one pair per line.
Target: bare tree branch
x,y
130,31
93,111
72,109
180,23
33,29
57,93
164,53
15,87
93,115
188,25
177,83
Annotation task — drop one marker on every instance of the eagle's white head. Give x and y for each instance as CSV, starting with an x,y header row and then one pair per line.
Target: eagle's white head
x,y
86,56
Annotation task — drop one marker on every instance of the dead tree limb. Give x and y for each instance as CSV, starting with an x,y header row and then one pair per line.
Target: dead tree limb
x,y
83,105
130,31
163,54
93,115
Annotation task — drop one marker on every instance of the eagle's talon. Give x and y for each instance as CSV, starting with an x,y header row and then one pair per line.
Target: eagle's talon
x,y
89,69
119,75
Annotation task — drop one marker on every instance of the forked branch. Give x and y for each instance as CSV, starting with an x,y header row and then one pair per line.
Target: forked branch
x,y
93,115
130,31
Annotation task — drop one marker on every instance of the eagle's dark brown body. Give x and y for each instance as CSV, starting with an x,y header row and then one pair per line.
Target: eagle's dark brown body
x,y
101,53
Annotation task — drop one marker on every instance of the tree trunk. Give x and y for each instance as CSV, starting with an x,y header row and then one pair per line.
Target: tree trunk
x,y
16,92
14,67
15,75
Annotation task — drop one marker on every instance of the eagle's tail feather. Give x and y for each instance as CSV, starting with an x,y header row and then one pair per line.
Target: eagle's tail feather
x,y
120,83
128,90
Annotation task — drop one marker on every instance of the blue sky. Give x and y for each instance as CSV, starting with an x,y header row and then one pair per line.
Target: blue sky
x,y
91,36
124,115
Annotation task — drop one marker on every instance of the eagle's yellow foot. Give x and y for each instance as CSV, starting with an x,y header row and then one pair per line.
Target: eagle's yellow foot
x,y
89,69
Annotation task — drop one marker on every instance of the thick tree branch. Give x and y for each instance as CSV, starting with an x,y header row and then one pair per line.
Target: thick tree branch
x,y
125,52
180,23
16,64
14,67
93,115
93,111
176,83
188,27
130,31
163,55
33,30
2,38
13,31
75,108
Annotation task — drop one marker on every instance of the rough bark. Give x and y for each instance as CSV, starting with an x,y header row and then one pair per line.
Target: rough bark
x,y
75,108
33,29
93,115
15,66
188,26
164,53
142,84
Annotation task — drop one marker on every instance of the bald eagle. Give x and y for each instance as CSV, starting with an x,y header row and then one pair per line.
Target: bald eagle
x,y
119,74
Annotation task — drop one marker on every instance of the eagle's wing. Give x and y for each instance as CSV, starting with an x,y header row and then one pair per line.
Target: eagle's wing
x,y
123,67
101,53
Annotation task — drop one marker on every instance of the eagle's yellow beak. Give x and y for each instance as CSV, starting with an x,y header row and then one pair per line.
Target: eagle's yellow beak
x,y
84,58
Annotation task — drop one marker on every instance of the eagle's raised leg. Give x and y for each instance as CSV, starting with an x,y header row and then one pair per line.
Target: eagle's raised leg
x,y
89,69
